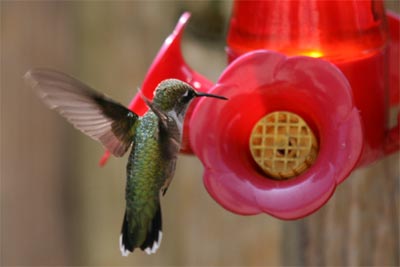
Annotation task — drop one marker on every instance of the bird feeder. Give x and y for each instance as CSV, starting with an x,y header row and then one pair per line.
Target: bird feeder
x,y
310,85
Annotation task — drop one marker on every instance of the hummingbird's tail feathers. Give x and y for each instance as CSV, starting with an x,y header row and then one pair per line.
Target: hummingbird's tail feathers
x,y
125,244
154,235
128,240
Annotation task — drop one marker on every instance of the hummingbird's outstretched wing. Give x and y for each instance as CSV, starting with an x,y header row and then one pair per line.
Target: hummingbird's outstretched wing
x,y
93,113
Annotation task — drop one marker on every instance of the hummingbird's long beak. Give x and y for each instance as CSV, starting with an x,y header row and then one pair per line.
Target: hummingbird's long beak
x,y
200,94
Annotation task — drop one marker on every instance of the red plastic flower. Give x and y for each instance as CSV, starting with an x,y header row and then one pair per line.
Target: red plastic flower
x,y
258,83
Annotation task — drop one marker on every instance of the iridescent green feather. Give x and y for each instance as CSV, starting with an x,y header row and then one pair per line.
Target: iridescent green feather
x,y
146,173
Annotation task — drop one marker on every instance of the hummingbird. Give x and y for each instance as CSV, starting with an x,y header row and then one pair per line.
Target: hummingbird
x,y
155,139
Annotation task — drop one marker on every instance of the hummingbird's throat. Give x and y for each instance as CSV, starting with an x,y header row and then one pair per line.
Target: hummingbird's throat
x,y
177,118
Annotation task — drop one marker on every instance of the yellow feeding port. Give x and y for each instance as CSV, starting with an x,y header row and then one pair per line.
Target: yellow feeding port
x,y
283,145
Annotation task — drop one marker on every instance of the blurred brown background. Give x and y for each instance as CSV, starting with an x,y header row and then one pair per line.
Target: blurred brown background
x,y
59,208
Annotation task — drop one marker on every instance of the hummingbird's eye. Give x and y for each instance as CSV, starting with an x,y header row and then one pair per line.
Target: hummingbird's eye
x,y
187,96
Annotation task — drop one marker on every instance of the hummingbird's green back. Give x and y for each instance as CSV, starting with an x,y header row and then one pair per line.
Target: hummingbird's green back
x,y
147,171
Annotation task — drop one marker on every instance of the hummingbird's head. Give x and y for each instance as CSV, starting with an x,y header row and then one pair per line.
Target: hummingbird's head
x,y
173,94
